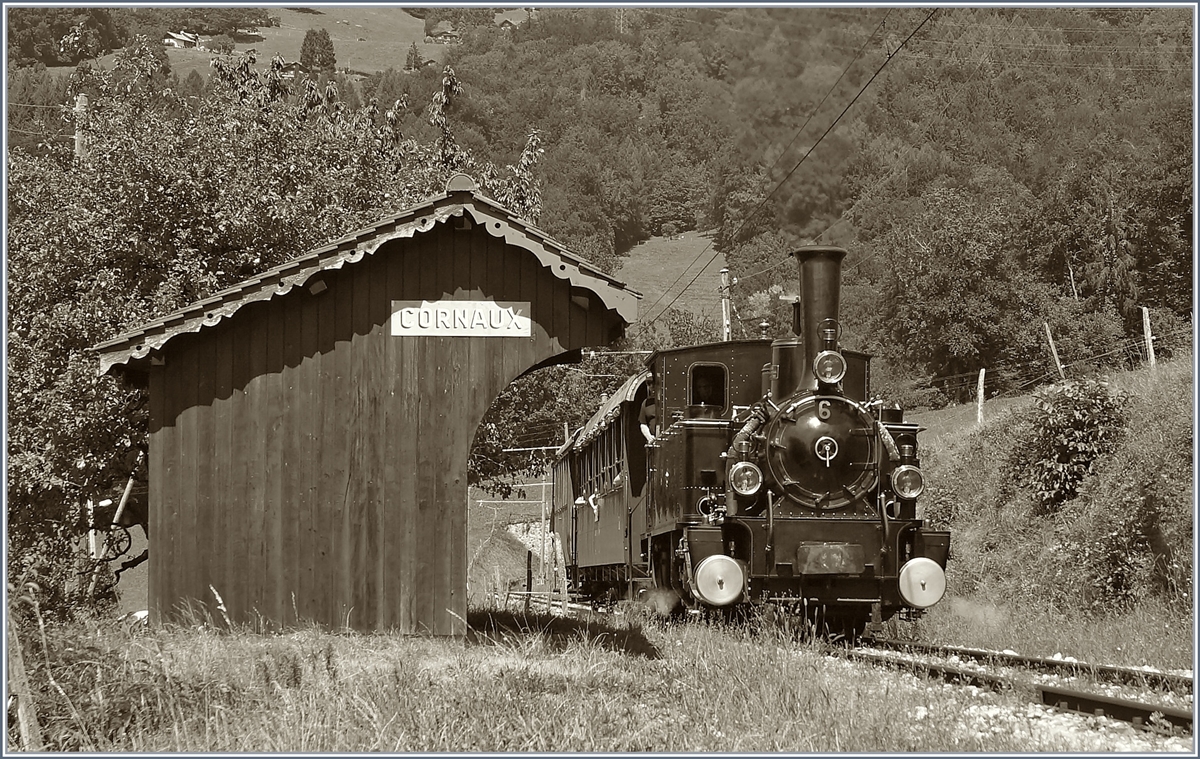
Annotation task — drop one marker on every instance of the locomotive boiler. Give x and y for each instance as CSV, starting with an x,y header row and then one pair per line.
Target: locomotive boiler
x,y
772,478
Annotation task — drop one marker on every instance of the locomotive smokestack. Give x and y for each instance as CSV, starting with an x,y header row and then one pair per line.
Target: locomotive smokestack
x,y
820,288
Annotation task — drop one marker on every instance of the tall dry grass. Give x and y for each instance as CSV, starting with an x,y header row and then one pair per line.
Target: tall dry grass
x,y
515,684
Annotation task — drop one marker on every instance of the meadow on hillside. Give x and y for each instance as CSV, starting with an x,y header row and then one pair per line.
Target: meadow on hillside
x,y
366,39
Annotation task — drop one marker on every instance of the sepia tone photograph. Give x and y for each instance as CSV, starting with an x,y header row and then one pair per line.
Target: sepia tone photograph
x,y
725,379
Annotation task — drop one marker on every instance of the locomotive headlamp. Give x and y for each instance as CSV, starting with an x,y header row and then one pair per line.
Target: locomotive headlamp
x,y
830,367
908,482
922,582
745,478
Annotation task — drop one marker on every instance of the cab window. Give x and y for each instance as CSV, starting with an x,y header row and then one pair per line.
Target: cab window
x,y
706,385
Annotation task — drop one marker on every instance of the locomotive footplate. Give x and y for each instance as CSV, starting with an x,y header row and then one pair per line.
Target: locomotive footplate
x,y
845,593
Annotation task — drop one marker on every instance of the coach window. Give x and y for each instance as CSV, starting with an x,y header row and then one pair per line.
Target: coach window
x,y
706,385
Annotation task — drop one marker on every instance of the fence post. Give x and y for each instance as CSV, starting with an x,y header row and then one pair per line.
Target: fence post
x,y
562,578
979,399
1149,337
528,578
81,104
1054,351
18,685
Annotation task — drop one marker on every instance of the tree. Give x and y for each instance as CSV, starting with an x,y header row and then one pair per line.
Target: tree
x,y
316,52
55,36
951,292
229,21
36,104
222,44
413,61
175,202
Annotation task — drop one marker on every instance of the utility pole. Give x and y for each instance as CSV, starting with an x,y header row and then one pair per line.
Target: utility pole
x,y
726,327
620,11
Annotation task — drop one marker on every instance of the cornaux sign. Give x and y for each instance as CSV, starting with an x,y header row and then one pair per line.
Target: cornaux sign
x,y
460,318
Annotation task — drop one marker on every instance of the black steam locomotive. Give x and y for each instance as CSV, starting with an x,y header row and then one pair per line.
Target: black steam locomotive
x,y
772,478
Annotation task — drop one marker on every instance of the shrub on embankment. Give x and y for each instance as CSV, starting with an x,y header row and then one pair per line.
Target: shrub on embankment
x,y
1078,502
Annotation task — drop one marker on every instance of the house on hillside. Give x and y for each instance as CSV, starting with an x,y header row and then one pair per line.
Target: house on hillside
x,y
506,25
444,33
182,39
289,70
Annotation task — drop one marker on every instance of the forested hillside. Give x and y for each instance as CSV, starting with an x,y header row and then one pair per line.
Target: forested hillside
x,y
1005,168
994,172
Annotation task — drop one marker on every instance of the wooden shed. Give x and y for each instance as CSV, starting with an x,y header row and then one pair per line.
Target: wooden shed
x,y
309,427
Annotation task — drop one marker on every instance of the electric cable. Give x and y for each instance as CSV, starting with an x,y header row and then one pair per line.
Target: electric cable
x,y
794,168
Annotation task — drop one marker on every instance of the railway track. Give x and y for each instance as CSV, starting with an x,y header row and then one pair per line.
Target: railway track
x,y
1099,672
1150,716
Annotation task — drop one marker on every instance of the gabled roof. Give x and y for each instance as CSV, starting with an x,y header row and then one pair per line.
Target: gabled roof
x,y
132,349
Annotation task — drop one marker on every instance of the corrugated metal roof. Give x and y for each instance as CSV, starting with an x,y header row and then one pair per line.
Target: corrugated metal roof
x,y
132,348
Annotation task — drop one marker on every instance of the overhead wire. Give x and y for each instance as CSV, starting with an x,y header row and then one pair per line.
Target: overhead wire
x,y
41,134
781,182
1031,371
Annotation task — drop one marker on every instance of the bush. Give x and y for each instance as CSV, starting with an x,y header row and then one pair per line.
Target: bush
x,y
1133,517
1073,425
1080,503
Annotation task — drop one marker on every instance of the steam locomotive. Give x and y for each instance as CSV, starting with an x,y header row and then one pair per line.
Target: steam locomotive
x,y
772,478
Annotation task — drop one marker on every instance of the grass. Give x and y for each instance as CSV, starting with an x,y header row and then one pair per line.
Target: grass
x,y
654,266
497,561
528,684
1087,580
374,38
1149,634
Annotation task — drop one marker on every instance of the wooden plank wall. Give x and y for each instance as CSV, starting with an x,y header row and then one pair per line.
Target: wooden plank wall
x,y
307,465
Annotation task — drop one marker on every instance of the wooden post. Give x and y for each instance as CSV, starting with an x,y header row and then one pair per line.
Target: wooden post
x,y
979,397
528,578
94,535
562,578
1149,337
81,103
18,686
1054,351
